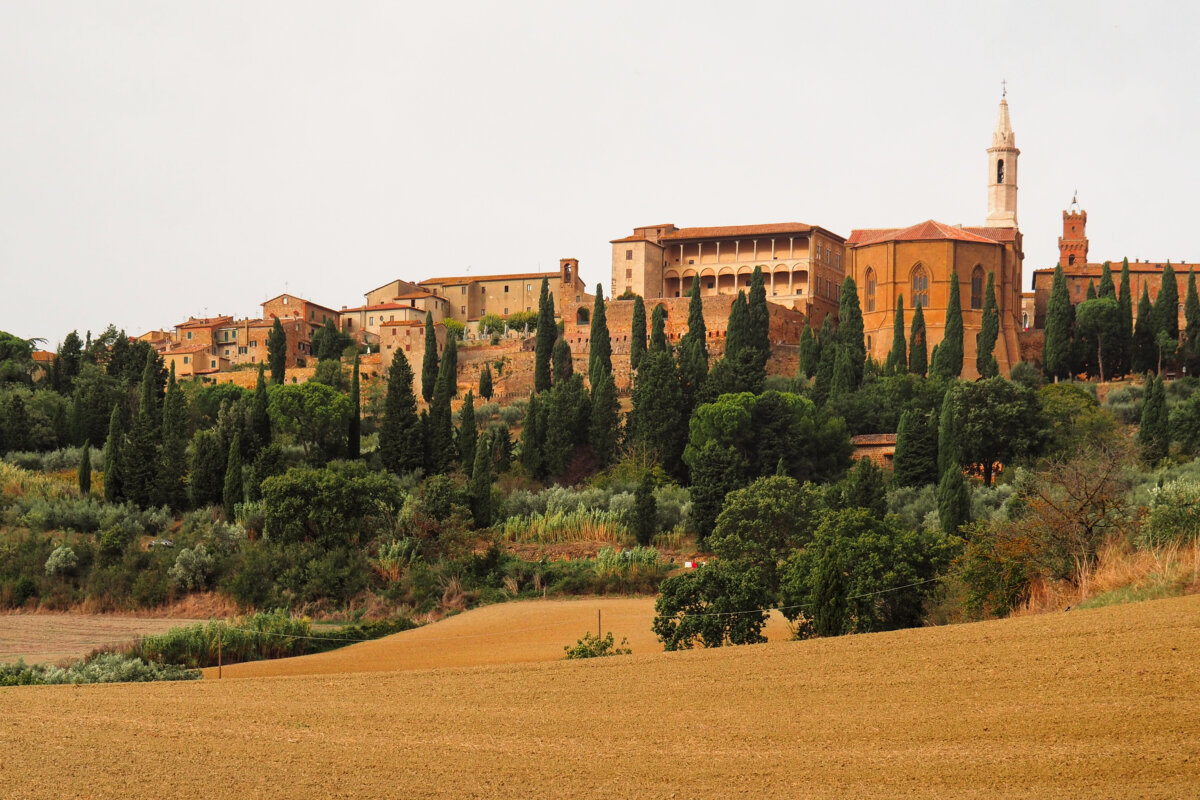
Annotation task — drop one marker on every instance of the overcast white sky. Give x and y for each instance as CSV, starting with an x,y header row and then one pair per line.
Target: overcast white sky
x,y
164,159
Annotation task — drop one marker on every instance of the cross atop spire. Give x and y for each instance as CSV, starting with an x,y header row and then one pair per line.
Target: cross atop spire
x,y
1003,89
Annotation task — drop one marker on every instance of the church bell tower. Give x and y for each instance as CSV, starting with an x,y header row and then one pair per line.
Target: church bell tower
x,y
1002,172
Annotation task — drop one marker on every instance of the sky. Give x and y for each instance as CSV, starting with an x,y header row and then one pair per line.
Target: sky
x,y
165,159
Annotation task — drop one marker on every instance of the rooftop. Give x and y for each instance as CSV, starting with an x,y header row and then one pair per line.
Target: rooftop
x,y
929,230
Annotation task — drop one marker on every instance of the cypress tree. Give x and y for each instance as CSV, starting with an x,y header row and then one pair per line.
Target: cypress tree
x,y
657,419
533,438
1107,289
809,352
989,330
865,488
716,470
479,488
850,330
1124,344
260,419
746,360
547,333
737,329
208,469
1091,291
824,375
440,445
277,352
148,395
645,511
450,364
429,364
485,382
898,357
567,420
85,469
760,325
949,441
1154,434
468,433
604,428
637,336
354,433
600,352
954,501
561,358
401,440
949,360
139,456
172,484
1191,315
1056,347
232,494
1166,306
1145,350
658,330
693,352
842,382
916,459
918,354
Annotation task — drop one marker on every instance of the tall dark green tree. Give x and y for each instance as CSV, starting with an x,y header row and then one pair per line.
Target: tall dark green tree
x,y
440,445
1154,434
954,502
760,322
208,470
916,459
658,330
600,350
1097,326
823,379
744,354
810,352
485,382
850,330
989,330
637,334
918,344
842,382
1191,316
604,428
657,420
1056,346
533,438
1145,350
1123,348
897,360
479,488
468,433
173,466
567,421
949,360
354,427
950,445
232,494
259,422
140,454
429,364
1166,308
716,470
85,470
401,440
1091,291
277,352
645,511
693,352
1106,288
547,333
564,366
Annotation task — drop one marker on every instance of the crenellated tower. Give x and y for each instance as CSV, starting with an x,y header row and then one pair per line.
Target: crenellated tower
x,y
1073,244
1002,172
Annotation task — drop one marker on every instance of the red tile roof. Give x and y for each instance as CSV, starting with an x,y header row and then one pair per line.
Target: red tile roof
x,y
187,349
406,323
738,230
43,356
517,276
628,239
873,439
929,230
205,322
999,234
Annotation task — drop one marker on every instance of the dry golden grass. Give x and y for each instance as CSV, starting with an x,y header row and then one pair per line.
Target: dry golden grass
x,y
51,638
1097,704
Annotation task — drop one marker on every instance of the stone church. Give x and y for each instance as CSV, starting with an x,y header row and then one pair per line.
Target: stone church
x,y
918,263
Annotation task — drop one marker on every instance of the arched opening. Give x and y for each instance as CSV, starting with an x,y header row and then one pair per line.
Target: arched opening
x,y
1071,260
920,287
1000,170
726,282
977,287
870,289
583,316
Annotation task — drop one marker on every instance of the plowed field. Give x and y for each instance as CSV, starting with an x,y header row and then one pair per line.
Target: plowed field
x,y
54,637
1102,703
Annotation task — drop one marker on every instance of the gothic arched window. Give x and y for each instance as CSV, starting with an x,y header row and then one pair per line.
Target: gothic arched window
x,y
977,287
870,281
920,287
1071,260
1000,170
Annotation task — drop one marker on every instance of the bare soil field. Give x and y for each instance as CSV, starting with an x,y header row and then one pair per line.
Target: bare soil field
x,y
508,633
52,638
1098,703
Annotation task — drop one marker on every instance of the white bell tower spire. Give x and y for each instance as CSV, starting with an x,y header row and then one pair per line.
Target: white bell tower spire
x,y
1002,170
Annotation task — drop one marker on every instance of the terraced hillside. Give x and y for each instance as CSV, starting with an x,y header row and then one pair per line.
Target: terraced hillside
x,y
1098,703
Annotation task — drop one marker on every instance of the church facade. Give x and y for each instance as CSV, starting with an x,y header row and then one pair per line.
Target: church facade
x,y
917,264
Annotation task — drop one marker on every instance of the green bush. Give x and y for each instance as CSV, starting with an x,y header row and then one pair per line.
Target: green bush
x,y
62,561
594,646
100,668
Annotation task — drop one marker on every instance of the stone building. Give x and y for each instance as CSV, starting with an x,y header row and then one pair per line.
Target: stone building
x,y
803,265
472,296
1079,272
919,262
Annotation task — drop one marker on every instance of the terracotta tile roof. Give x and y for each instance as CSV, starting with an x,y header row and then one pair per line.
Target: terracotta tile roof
x,y
394,306
929,230
1093,270
406,323
43,356
628,239
186,349
859,235
867,439
516,276
738,230
204,322
998,234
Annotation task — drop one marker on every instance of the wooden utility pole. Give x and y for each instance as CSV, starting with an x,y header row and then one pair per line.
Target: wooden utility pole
x,y
218,654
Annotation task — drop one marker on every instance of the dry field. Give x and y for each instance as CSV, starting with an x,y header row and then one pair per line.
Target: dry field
x,y
52,638
1099,703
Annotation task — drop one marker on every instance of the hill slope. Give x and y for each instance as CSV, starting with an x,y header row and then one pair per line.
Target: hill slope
x,y
1096,703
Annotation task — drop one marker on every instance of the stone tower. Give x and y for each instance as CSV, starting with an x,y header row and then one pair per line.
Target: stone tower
x,y
1002,173
1073,244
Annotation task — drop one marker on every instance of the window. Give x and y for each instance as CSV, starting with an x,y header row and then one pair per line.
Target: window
x,y
212,363
506,288
464,290
1071,260
370,320
529,287
463,309
483,290
1000,170
189,334
187,359
391,317
629,255
920,287
312,314
285,301
977,287
506,311
870,281
628,274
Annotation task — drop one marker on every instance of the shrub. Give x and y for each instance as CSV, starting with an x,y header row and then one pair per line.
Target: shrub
x,y
594,646
62,561
101,668
191,570
1174,513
